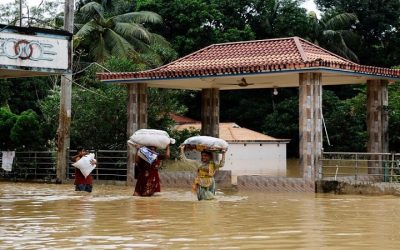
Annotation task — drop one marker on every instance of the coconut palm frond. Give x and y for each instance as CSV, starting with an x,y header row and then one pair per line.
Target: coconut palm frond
x,y
139,17
77,26
87,29
99,50
121,47
349,35
347,52
76,41
119,36
132,30
337,44
330,34
151,59
341,21
158,39
91,10
351,55
140,45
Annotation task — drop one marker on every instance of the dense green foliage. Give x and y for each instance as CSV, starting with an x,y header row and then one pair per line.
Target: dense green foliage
x,y
7,121
378,28
22,131
193,24
123,36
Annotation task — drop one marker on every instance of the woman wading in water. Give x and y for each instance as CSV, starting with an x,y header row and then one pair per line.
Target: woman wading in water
x,y
148,180
204,183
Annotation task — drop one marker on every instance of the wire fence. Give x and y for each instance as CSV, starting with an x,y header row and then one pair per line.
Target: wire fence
x,y
112,165
41,165
374,167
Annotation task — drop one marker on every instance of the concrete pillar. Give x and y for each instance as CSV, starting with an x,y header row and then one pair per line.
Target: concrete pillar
x,y
210,112
377,122
310,125
137,119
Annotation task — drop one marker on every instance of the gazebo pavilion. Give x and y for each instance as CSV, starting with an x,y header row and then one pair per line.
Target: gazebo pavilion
x,y
272,63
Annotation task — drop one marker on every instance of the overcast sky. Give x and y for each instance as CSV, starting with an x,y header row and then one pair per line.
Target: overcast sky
x,y
30,2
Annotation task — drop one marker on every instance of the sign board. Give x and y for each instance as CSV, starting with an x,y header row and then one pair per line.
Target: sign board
x,y
37,53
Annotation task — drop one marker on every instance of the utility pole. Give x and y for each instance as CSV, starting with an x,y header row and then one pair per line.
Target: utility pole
x,y
64,121
20,13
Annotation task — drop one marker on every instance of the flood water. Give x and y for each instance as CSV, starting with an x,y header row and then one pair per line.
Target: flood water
x,y
49,216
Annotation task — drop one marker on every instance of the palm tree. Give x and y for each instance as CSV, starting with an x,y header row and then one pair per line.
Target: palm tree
x,y
334,33
122,36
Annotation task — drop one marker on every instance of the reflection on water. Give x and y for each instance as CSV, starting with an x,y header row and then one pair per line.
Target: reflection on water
x,y
38,216
293,168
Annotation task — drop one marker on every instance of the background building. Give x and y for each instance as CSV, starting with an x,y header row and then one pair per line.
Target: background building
x,y
250,152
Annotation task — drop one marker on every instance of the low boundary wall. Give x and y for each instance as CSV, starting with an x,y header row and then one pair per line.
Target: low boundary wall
x,y
360,187
274,184
246,182
185,178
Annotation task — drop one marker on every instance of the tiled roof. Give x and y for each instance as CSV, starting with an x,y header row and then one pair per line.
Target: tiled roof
x,y
178,119
232,132
258,56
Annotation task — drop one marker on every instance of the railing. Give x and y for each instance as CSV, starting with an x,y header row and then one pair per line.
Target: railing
x,y
32,165
41,165
112,165
351,166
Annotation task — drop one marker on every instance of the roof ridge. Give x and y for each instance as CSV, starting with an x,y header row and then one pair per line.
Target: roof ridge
x,y
300,48
182,58
327,51
253,41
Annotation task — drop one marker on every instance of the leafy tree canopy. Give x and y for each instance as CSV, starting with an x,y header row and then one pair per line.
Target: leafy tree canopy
x,y
193,24
123,36
7,121
45,15
21,94
378,27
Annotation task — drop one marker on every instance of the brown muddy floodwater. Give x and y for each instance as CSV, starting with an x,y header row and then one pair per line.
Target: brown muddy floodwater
x,y
49,216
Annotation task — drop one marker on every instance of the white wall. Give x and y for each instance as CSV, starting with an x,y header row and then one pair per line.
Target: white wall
x,y
253,159
40,51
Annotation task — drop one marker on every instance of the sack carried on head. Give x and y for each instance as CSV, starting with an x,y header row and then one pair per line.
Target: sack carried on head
x,y
151,137
210,143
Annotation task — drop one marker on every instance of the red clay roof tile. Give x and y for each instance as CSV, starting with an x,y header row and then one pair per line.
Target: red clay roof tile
x,y
178,119
231,132
251,57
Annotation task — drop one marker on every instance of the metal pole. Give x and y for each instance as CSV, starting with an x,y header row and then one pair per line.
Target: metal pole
x,y
64,122
20,13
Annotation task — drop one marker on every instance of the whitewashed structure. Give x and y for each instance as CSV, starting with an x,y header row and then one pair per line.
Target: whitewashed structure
x,y
31,51
250,152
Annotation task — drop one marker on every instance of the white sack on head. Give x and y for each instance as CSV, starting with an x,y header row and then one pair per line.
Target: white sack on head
x,y
84,164
207,142
151,137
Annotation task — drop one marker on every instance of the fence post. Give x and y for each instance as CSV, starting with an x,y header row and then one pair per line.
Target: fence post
x,y
35,162
97,164
356,176
391,167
